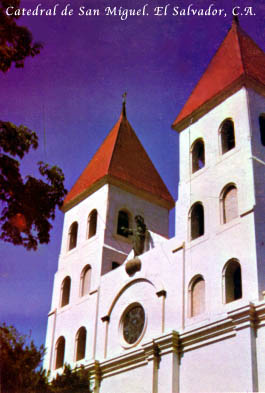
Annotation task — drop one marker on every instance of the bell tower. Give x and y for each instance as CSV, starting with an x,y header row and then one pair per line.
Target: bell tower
x,y
220,209
119,183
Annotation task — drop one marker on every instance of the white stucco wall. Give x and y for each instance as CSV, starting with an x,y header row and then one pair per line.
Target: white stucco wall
x,y
256,108
223,366
131,381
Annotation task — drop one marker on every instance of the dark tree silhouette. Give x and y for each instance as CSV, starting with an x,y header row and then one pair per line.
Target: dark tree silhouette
x,y
15,40
27,206
71,381
19,363
20,370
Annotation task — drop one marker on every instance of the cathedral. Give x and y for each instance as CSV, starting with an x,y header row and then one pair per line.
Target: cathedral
x,y
148,314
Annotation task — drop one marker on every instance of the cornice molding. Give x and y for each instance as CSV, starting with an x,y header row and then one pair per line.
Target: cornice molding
x,y
108,179
248,316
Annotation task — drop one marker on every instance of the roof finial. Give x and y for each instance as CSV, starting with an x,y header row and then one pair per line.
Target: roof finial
x,y
124,103
235,20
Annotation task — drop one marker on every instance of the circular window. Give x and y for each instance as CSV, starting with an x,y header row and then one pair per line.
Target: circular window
x,y
133,323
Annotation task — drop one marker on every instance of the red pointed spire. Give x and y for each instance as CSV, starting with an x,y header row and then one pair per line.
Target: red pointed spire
x,y
238,62
121,160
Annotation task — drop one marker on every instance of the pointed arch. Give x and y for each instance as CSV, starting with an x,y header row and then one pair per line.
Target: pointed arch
x,y
232,281
80,344
72,235
196,296
229,203
59,352
227,135
196,220
197,155
92,223
85,281
65,291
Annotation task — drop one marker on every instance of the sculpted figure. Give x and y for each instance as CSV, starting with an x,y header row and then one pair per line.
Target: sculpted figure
x,y
138,235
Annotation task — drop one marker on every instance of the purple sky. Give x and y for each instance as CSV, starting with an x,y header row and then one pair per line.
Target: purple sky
x,y
73,90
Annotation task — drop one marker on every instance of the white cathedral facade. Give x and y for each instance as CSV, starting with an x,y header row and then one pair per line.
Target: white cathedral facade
x,y
188,314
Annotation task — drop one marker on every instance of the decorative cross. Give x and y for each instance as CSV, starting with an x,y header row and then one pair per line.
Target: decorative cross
x,y
124,97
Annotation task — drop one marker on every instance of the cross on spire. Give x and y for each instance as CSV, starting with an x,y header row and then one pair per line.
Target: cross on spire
x,y
124,96
236,20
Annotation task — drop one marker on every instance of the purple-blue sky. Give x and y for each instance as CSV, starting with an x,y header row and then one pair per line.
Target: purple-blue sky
x,y
73,90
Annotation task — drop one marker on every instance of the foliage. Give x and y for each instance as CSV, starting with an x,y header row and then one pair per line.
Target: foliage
x,y
19,362
15,41
26,205
20,368
71,381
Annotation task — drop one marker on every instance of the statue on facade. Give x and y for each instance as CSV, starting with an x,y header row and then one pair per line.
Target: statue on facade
x,y
138,235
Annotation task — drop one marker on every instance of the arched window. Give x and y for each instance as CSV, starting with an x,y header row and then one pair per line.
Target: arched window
x,y
196,221
262,128
197,155
229,203
197,296
232,281
92,223
123,222
85,280
65,291
80,344
227,133
59,352
72,236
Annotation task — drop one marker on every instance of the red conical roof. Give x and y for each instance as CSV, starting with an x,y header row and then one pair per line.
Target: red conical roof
x,y
237,62
121,160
